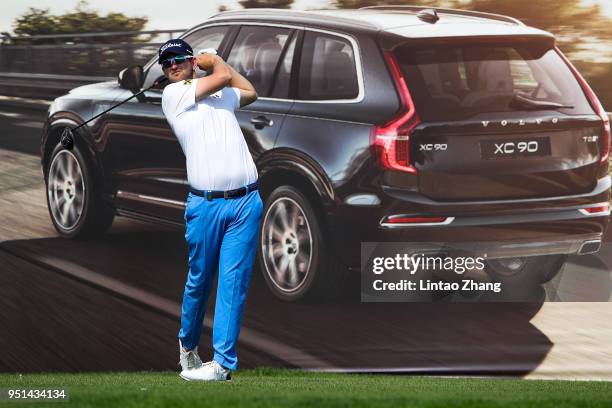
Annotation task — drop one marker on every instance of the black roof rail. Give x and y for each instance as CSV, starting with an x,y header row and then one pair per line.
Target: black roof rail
x,y
469,13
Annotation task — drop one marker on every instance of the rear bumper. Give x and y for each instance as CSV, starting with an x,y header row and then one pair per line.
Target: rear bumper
x,y
511,228
501,219
579,244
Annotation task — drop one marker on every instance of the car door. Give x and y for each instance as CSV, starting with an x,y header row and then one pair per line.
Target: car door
x,y
264,54
329,85
143,158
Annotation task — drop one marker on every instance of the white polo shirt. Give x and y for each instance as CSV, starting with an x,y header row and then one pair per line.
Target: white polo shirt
x,y
216,153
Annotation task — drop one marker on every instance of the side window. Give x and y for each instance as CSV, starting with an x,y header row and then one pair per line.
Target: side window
x,y
256,53
283,76
327,68
210,37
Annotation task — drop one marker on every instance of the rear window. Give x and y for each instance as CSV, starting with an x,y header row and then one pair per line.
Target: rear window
x,y
454,82
327,68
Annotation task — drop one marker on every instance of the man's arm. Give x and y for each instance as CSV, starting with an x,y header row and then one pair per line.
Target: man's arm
x,y
219,75
247,91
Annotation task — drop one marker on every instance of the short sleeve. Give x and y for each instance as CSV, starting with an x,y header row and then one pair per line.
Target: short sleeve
x,y
237,98
178,97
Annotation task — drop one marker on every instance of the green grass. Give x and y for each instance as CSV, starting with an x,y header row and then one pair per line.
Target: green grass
x,y
287,388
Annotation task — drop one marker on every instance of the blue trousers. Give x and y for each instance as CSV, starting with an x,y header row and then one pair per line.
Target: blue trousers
x,y
220,233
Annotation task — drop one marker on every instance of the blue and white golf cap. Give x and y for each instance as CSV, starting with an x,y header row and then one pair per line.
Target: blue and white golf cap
x,y
176,46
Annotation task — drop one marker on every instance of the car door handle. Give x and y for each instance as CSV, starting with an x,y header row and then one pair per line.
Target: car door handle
x,y
261,121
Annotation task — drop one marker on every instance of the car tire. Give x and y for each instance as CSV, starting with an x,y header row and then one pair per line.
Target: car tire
x,y
75,207
522,278
292,253
537,269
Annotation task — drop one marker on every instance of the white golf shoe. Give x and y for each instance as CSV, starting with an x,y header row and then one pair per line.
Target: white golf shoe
x,y
189,360
210,371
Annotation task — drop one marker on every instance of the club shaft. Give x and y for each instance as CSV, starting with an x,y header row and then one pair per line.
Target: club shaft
x,y
114,106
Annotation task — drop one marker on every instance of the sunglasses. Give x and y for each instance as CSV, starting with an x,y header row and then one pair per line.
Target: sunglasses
x,y
179,59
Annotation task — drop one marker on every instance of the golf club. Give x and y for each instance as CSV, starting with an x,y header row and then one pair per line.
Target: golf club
x,y
67,139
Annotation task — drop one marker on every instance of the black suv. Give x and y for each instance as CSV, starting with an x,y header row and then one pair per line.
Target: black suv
x,y
380,124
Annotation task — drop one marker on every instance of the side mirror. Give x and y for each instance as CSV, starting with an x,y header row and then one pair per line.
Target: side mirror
x,y
131,78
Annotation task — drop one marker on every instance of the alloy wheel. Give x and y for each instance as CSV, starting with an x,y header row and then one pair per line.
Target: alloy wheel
x,y
286,244
66,190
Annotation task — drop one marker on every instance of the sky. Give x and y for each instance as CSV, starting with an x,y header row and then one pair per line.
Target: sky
x,y
159,12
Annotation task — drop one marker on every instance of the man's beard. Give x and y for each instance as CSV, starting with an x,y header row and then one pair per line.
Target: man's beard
x,y
185,74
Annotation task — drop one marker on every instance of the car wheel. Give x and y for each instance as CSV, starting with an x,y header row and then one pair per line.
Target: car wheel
x,y
537,269
521,278
292,252
75,209
554,264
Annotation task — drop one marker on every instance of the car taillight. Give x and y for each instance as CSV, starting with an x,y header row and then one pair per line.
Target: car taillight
x,y
416,220
596,209
408,220
597,106
391,141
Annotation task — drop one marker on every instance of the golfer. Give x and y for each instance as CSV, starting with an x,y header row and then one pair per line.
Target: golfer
x,y
223,205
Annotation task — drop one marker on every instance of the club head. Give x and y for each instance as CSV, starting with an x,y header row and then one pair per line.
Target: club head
x,y
67,139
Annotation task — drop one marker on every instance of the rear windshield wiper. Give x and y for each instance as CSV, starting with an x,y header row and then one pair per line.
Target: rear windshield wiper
x,y
521,102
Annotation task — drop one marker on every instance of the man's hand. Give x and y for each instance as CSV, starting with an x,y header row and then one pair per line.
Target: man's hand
x,y
219,75
205,61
